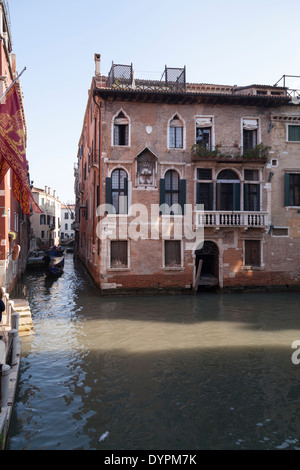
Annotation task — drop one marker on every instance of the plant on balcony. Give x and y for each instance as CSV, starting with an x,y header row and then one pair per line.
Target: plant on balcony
x,y
260,152
199,151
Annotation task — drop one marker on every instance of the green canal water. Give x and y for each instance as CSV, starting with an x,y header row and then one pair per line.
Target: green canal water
x,y
211,371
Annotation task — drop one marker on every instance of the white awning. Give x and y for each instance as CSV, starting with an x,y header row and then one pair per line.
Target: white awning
x,y
120,121
204,122
250,124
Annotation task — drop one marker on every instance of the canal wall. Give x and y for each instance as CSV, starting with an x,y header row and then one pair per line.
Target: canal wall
x,y
16,322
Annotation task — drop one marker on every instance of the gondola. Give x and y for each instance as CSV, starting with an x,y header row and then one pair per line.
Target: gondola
x,y
54,261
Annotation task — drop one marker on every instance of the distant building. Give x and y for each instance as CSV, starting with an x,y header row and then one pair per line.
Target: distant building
x,y
67,222
227,156
14,223
45,227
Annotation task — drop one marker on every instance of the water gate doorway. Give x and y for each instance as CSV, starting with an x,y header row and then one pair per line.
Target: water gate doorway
x,y
208,256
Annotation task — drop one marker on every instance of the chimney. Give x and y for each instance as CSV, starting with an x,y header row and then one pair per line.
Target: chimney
x,y
46,189
54,193
97,64
49,190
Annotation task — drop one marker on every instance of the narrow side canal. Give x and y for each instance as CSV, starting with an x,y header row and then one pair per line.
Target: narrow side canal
x,y
212,371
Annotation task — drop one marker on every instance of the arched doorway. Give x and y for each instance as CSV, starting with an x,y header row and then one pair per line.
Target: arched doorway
x,y
209,256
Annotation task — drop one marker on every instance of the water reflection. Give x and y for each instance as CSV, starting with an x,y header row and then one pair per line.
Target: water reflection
x,y
192,372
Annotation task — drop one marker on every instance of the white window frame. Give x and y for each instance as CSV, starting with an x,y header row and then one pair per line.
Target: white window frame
x,y
288,124
128,268
248,118
250,266
112,129
173,268
183,133
212,126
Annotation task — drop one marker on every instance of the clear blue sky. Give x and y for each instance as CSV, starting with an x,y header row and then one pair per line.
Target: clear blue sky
x,y
226,42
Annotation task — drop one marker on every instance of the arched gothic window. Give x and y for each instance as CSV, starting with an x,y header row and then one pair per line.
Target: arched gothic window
x,y
121,129
176,133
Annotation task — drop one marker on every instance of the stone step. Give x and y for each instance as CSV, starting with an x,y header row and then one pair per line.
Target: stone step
x,y
21,306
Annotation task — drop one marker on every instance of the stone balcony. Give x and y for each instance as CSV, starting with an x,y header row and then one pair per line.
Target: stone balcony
x,y
237,219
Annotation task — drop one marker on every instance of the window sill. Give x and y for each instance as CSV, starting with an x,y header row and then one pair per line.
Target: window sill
x,y
119,269
173,268
252,268
120,146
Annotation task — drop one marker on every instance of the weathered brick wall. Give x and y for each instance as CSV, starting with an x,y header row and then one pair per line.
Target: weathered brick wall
x,y
280,262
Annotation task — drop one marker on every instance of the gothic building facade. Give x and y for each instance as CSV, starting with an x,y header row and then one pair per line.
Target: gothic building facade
x,y
181,185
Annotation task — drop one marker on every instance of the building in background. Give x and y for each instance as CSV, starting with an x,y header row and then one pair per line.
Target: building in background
x,y
67,233
227,156
15,195
45,227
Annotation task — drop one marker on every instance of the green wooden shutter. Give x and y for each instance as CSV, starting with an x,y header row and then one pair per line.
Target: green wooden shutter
x,y
246,200
198,194
236,196
287,189
210,197
161,194
124,209
258,197
108,193
182,195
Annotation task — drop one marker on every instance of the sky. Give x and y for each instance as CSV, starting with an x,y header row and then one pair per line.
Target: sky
x,y
233,42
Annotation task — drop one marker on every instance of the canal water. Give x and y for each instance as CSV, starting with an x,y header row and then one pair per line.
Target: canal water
x,y
212,371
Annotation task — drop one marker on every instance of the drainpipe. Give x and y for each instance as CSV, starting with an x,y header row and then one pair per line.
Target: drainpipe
x,y
99,149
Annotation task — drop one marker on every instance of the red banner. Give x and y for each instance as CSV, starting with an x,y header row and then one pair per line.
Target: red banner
x,y
12,150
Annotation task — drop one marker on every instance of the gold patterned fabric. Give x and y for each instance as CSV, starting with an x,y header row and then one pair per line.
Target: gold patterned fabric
x,y
12,150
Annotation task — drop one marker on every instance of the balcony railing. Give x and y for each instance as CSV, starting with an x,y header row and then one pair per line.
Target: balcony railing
x,y
219,219
221,152
121,77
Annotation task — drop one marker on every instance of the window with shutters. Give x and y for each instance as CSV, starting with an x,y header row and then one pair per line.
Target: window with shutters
x,y
121,129
172,253
252,252
119,254
250,134
228,191
292,189
172,193
117,191
176,133
205,188
293,134
251,191
204,126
